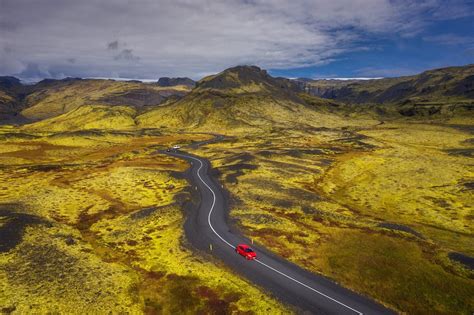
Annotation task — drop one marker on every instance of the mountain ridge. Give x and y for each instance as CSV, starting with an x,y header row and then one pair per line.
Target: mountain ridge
x,y
20,103
442,84
241,97
244,97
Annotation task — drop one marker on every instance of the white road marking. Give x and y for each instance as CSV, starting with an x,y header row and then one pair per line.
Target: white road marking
x,y
258,261
213,203
307,286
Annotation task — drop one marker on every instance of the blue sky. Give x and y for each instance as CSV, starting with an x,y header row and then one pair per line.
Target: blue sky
x,y
147,39
443,43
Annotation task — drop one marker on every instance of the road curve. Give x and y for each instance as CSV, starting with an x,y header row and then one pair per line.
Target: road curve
x,y
207,225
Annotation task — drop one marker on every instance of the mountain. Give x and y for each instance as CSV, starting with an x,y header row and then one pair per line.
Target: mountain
x,y
165,82
248,79
50,98
11,94
239,98
453,84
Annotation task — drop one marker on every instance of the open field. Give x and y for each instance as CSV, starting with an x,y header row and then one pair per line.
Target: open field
x,y
379,209
93,223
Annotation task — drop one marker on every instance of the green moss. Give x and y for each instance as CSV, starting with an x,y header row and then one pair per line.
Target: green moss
x,y
396,271
319,199
109,236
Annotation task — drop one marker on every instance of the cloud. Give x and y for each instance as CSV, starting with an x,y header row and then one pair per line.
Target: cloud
x,y
126,54
191,37
453,9
113,45
33,70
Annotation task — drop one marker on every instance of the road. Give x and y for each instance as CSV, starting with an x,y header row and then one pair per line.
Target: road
x,y
207,225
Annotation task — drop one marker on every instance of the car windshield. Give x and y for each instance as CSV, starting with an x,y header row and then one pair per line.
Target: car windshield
x,y
248,250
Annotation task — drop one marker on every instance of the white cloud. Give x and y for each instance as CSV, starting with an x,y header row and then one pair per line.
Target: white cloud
x,y
149,38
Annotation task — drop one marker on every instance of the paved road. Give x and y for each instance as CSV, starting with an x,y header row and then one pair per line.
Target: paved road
x,y
306,291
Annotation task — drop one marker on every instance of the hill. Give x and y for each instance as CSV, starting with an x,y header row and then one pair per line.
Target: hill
x,y
88,117
244,98
239,98
453,84
50,98
441,94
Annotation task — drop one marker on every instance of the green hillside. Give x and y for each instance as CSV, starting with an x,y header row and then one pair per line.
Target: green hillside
x,y
89,117
50,98
244,98
240,98
453,84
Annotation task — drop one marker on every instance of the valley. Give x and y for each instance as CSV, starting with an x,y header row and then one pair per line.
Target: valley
x,y
378,201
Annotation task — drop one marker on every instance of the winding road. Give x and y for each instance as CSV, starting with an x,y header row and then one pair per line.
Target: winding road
x,y
207,225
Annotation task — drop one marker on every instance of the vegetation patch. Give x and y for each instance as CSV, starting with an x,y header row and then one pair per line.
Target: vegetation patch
x,y
89,223
379,209
12,226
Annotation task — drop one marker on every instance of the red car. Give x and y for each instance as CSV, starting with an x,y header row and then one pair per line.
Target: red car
x,y
245,251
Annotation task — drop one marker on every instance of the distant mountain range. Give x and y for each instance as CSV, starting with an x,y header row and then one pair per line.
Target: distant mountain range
x,y
440,85
239,97
49,98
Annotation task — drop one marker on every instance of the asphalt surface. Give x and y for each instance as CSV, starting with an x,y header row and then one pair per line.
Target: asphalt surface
x,y
206,225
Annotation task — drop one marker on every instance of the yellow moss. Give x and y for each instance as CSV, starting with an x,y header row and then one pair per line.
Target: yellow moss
x,y
136,187
53,101
394,270
240,115
89,117
417,182
318,197
43,274
162,252
88,248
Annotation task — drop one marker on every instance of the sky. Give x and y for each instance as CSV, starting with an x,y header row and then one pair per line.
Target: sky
x,y
148,39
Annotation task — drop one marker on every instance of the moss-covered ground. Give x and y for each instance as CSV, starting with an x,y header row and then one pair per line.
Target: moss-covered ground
x,y
380,209
91,222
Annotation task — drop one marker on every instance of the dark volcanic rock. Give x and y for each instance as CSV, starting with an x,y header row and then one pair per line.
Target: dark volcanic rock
x,y
165,81
11,232
143,213
467,261
400,227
